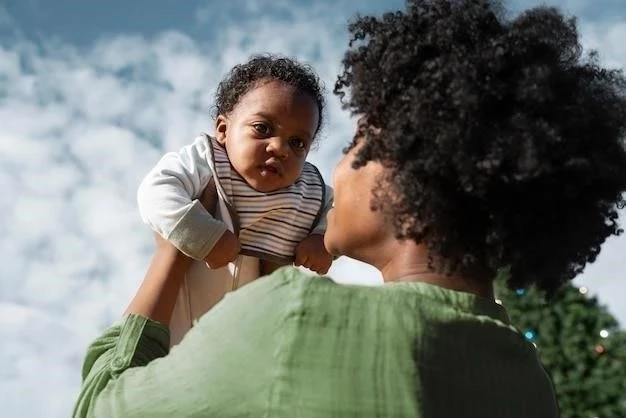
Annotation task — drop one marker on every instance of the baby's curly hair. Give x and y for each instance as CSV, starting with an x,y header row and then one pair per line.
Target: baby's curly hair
x,y
243,77
506,145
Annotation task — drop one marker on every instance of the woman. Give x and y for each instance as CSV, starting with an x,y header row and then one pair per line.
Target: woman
x,y
486,144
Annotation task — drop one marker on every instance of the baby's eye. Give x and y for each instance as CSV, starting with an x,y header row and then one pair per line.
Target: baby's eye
x,y
262,129
297,144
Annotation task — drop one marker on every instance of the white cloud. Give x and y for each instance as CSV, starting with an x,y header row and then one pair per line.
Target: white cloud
x,y
605,277
78,131
608,40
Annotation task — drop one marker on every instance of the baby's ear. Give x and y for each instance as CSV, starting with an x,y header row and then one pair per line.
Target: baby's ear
x,y
221,126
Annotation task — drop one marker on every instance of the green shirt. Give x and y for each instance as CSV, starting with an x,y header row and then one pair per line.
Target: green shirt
x,y
294,346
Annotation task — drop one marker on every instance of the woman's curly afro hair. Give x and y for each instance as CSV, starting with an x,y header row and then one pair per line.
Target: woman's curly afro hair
x,y
506,145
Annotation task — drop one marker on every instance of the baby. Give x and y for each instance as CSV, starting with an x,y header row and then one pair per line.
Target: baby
x,y
270,203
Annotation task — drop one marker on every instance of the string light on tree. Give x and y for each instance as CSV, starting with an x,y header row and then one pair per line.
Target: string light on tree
x,y
530,334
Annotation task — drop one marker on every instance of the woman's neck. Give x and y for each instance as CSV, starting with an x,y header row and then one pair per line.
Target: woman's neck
x,y
409,262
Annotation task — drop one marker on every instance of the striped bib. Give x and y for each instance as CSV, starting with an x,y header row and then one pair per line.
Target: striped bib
x,y
271,224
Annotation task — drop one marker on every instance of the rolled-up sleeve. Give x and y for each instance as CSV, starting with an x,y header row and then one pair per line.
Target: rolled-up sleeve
x,y
225,365
133,342
167,200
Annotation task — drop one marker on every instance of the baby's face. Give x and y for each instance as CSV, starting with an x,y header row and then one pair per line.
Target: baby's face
x,y
268,134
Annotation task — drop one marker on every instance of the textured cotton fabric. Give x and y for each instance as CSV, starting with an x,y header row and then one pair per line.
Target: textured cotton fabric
x,y
295,346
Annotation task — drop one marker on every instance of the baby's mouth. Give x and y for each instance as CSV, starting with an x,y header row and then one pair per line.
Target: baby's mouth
x,y
271,169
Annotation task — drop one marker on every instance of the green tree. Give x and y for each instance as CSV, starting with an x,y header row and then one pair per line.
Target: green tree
x,y
580,344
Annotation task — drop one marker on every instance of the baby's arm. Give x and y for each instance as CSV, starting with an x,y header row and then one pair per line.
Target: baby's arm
x,y
167,200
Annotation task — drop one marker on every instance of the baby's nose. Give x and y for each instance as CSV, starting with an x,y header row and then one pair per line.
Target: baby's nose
x,y
278,147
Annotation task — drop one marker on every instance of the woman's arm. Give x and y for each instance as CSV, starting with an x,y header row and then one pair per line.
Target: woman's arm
x,y
157,294
225,366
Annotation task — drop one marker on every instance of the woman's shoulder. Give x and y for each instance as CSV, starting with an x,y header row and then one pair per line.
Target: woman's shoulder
x,y
292,290
291,281
289,284
287,280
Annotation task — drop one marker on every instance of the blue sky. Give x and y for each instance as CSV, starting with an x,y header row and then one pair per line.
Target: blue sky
x,y
82,22
91,94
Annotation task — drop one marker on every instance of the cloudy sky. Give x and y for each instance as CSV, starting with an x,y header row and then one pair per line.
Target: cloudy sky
x,y
91,94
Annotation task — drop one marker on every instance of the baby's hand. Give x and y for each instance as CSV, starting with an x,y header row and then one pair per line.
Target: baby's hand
x,y
312,254
225,250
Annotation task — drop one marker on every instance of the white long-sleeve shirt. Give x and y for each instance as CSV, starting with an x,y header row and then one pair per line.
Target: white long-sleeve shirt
x,y
167,199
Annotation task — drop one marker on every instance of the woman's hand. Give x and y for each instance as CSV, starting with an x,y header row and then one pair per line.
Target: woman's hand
x,y
225,250
209,197
163,246
228,246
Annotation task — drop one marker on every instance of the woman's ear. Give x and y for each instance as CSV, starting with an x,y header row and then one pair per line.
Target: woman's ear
x,y
221,126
